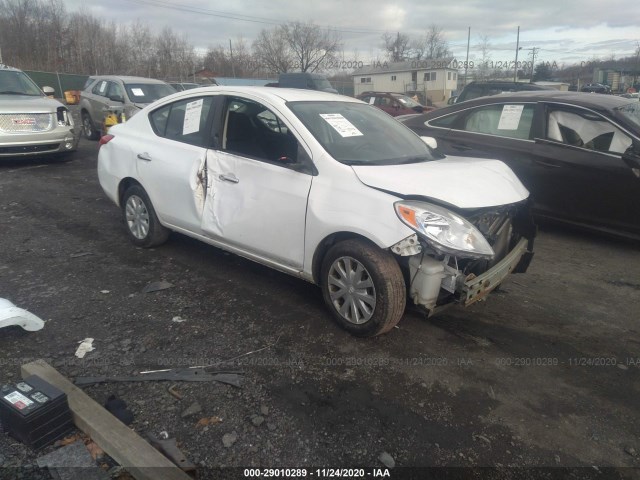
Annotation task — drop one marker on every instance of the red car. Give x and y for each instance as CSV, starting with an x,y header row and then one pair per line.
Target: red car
x,y
393,103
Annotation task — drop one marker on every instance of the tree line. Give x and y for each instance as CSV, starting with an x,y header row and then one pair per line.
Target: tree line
x,y
42,35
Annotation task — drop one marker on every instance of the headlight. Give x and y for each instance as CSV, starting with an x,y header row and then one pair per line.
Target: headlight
x,y
447,232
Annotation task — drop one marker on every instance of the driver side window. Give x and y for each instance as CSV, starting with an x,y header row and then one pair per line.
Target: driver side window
x,y
252,130
581,128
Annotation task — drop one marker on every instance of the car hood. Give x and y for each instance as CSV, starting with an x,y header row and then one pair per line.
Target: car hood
x,y
459,181
27,104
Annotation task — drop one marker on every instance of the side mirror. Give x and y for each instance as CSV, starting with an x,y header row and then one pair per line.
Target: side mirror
x,y
116,98
48,91
452,100
430,141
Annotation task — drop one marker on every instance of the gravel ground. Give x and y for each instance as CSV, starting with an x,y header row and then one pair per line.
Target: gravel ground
x,y
546,373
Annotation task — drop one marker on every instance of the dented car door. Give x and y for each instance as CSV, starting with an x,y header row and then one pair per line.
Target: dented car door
x,y
258,185
172,167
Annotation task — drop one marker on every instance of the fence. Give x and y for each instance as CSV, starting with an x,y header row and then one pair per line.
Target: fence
x,y
60,82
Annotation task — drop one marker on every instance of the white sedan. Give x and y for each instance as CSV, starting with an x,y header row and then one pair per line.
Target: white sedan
x,y
323,187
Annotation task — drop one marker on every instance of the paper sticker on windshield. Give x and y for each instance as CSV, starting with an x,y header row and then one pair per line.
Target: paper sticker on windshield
x,y
192,117
137,92
341,125
103,87
510,118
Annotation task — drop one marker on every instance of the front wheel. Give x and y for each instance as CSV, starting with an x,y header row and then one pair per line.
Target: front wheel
x,y
140,218
363,287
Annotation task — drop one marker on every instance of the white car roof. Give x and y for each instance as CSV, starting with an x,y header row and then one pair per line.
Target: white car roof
x,y
276,93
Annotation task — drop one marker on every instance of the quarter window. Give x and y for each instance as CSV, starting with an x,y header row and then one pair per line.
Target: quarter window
x,y
184,121
581,128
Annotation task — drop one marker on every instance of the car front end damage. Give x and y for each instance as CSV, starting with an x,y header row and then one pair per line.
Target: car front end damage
x,y
437,275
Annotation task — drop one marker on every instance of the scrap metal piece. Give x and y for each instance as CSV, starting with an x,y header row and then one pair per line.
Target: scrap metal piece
x,y
157,286
12,315
174,392
169,448
178,374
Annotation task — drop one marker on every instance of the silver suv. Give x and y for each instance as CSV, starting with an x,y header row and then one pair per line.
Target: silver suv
x,y
30,123
125,95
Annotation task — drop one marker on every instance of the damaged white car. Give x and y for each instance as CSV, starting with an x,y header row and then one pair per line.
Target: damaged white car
x,y
326,188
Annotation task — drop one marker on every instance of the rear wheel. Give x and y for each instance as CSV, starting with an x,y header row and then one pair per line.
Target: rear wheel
x,y
363,287
89,129
140,218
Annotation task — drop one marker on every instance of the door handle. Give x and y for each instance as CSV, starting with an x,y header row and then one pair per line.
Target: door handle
x,y
228,178
546,164
144,156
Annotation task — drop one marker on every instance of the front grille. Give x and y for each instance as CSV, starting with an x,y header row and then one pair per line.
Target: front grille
x,y
29,149
27,122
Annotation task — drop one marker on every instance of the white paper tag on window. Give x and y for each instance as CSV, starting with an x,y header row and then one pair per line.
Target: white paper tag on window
x,y
137,92
192,117
103,87
510,118
341,125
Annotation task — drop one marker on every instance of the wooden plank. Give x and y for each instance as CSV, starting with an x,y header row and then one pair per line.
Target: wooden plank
x,y
123,444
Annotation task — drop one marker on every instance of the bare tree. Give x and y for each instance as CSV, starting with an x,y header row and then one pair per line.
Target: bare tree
x,y
272,51
310,46
432,45
396,46
483,68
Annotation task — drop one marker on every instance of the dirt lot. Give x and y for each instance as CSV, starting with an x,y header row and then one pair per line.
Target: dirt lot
x,y
546,373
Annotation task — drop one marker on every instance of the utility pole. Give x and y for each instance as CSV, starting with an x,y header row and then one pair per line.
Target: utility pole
x,y
515,73
466,64
233,67
534,50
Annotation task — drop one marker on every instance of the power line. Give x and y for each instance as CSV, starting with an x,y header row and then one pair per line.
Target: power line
x,y
243,18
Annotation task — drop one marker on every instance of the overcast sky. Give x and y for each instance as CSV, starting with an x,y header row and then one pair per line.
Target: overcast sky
x,y
564,31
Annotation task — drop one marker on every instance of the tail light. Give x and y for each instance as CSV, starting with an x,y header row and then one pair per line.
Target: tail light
x,y
105,139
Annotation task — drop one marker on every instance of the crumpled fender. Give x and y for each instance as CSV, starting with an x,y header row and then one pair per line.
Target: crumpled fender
x,y
12,315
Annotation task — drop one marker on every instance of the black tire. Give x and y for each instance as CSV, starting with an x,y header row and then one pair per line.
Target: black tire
x,y
387,287
89,128
140,219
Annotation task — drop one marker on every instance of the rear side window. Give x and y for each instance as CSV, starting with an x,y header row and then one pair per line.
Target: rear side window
x,y
184,121
512,120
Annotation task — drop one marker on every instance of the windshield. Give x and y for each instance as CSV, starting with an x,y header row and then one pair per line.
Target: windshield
x,y
148,92
631,113
407,102
17,83
358,134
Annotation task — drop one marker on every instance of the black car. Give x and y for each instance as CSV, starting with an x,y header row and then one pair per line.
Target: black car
x,y
578,154
596,88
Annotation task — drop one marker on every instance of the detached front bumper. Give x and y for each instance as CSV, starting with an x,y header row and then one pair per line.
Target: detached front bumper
x,y
477,288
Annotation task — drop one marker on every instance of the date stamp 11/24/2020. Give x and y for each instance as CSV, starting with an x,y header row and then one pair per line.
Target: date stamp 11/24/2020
x,y
434,64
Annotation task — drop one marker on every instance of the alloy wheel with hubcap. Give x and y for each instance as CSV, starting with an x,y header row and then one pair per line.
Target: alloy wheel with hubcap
x,y
143,226
363,287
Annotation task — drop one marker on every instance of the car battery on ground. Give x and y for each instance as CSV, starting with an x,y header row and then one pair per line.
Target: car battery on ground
x,y
35,412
